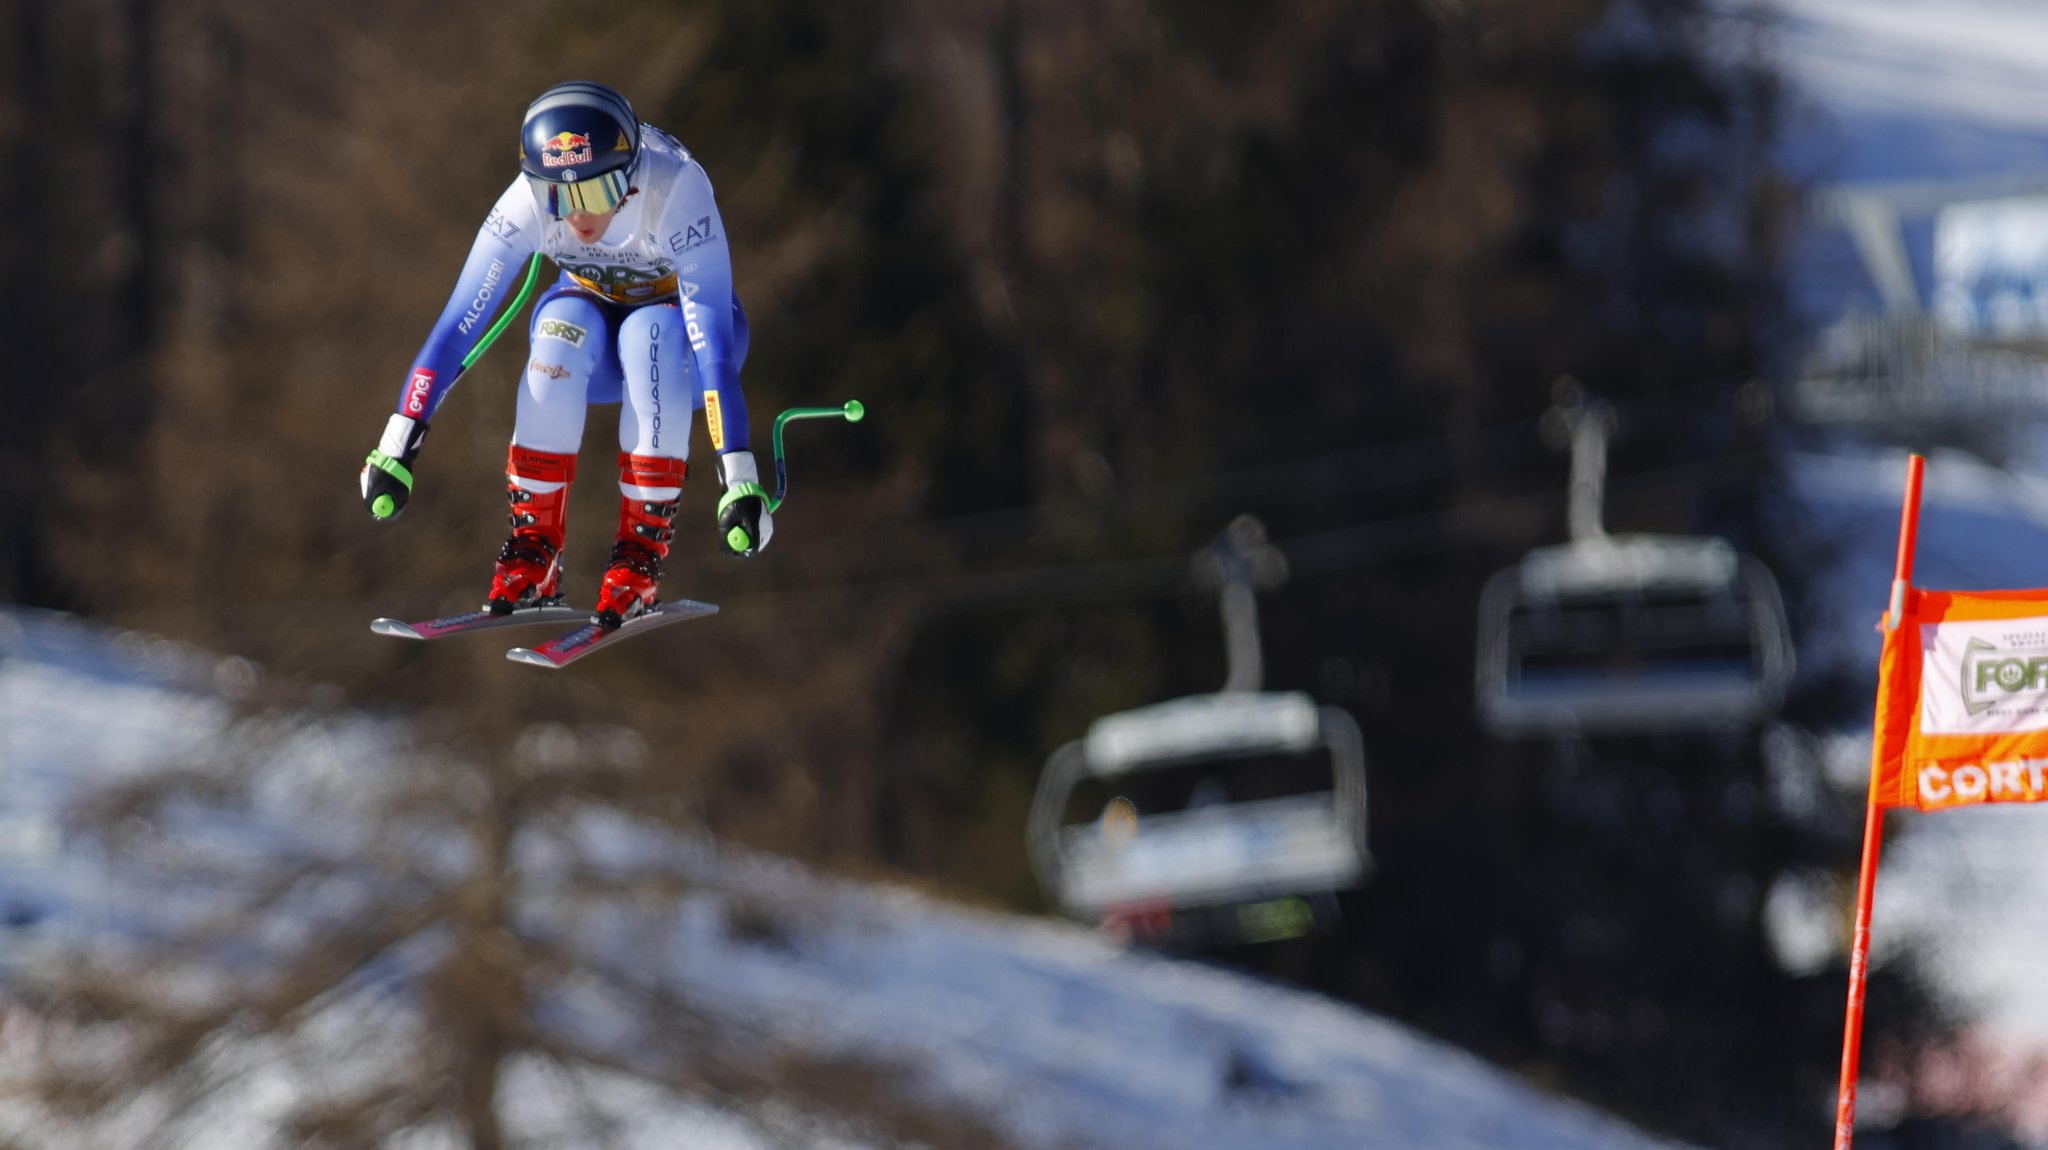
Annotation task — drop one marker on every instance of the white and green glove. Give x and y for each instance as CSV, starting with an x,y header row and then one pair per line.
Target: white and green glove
x,y
743,519
387,473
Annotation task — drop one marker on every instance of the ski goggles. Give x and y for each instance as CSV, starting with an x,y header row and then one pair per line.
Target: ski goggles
x,y
596,195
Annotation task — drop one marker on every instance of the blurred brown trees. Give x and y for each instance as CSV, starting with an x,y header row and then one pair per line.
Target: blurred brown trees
x,y
1106,274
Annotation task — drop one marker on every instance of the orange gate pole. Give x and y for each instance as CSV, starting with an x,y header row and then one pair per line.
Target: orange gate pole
x,y
1873,836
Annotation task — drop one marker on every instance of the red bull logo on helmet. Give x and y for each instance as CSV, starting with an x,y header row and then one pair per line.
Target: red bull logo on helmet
x,y
564,149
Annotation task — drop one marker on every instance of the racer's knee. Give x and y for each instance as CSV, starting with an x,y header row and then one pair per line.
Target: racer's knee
x,y
568,332
654,359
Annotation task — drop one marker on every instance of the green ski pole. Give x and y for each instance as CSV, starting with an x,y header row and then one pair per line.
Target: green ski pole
x,y
853,411
518,301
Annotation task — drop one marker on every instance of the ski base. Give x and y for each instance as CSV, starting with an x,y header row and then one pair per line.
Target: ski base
x,y
475,621
560,652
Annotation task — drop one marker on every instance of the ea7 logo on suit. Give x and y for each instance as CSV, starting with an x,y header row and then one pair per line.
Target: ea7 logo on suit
x,y
693,236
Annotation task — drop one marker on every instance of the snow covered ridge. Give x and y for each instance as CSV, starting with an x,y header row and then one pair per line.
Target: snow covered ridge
x,y
1972,60
1067,1037
1045,1034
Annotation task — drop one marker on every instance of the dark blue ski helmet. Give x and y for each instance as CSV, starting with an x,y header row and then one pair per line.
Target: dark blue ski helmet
x,y
579,148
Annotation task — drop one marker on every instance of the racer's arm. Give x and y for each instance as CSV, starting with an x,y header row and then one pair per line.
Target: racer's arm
x,y
694,235
508,237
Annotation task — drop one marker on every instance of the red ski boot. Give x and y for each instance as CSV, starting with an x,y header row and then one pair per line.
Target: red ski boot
x,y
650,487
529,572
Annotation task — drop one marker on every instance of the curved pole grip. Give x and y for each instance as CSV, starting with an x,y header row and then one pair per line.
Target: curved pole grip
x,y
852,411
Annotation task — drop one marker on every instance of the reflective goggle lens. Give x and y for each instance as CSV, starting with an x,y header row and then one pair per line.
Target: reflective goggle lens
x,y
596,195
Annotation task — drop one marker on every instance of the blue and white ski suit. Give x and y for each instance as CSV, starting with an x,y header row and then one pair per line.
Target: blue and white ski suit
x,y
646,314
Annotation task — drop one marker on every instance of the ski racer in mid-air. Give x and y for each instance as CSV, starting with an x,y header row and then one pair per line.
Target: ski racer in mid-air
x,y
644,310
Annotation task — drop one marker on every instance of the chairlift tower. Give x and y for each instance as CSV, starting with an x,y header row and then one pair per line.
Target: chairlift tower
x,y
1976,353
1232,816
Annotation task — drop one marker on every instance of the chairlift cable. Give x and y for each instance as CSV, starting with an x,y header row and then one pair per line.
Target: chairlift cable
x,y
1292,481
1027,585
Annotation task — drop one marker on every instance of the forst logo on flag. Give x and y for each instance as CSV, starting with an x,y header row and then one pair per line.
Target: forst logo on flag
x,y
565,149
1992,676
1984,677
1982,730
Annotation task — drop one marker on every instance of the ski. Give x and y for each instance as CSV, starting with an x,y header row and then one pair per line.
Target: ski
x,y
566,649
475,621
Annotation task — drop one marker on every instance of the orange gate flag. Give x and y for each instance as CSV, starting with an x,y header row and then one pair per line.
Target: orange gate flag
x,y
1962,701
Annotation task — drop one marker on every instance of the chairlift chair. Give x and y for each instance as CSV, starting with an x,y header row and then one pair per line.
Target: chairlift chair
x,y
1613,634
1281,834
1622,634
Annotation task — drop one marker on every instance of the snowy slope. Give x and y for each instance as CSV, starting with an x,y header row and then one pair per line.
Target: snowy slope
x,y
1054,1036
1900,91
1927,91
1942,63
1962,891
1963,894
